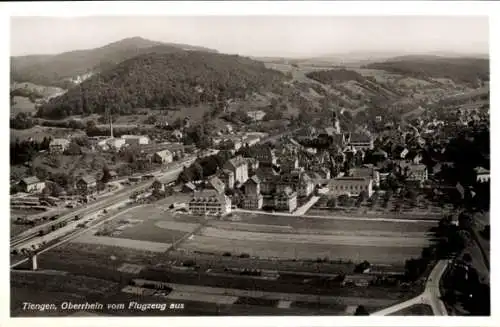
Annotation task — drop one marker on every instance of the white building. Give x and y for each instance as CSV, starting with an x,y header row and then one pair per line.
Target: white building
x,y
239,167
32,184
482,175
58,145
163,157
136,139
351,186
210,203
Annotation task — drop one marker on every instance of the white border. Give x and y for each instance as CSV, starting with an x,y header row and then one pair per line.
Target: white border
x,y
310,8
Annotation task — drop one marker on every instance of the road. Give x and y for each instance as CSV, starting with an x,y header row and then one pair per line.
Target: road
x,y
431,295
123,195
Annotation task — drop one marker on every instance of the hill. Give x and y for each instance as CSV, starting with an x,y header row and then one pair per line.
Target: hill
x,y
165,79
59,70
470,71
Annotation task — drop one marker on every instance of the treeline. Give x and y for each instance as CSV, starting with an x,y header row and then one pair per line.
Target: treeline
x,y
333,76
204,167
25,92
24,151
165,80
460,70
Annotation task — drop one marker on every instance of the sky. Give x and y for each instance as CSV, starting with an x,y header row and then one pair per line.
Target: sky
x,y
259,35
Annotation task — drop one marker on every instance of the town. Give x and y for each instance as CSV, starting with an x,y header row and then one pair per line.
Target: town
x,y
306,189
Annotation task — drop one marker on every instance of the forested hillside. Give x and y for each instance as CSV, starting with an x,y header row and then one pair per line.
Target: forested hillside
x,y
165,79
461,70
54,70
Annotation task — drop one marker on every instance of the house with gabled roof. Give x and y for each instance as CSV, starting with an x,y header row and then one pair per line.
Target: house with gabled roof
x,y
239,166
86,184
253,198
32,184
216,183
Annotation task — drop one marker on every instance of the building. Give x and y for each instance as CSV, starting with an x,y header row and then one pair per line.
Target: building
x,y
306,185
286,200
288,163
239,167
256,115
115,143
227,177
253,165
188,187
253,198
177,134
366,171
251,140
136,139
86,184
360,141
351,186
58,145
163,157
482,175
209,203
215,183
264,154
32,184
413,172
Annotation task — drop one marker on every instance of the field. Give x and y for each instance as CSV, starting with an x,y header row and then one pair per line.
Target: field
x,y
39,132
271,236
22,104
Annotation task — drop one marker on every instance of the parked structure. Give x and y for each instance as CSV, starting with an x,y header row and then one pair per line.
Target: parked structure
x,y
256,115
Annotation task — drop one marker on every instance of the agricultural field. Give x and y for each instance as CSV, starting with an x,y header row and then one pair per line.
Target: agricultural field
x,y
287,237
22,104
39,132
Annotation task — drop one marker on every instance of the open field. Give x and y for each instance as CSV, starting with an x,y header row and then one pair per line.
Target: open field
x,y
22,104
123,243
39,132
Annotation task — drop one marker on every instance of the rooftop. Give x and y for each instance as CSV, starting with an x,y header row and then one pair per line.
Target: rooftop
x,y
30,180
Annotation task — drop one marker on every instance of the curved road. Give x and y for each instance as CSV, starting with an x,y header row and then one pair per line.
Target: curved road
x,y
431,296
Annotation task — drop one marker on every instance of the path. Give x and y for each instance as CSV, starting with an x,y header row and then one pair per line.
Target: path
x,y
431,296
303,209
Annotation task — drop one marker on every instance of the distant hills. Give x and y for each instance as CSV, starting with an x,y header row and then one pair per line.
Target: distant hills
x,y
470,71
166,77
60,69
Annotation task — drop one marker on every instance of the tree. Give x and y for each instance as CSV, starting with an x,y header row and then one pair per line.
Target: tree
x,y
332,203
197,171
73,149
361,311
106,176
21,121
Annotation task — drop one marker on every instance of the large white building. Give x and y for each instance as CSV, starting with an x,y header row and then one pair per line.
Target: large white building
x,y
351,186
210,203
239,167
